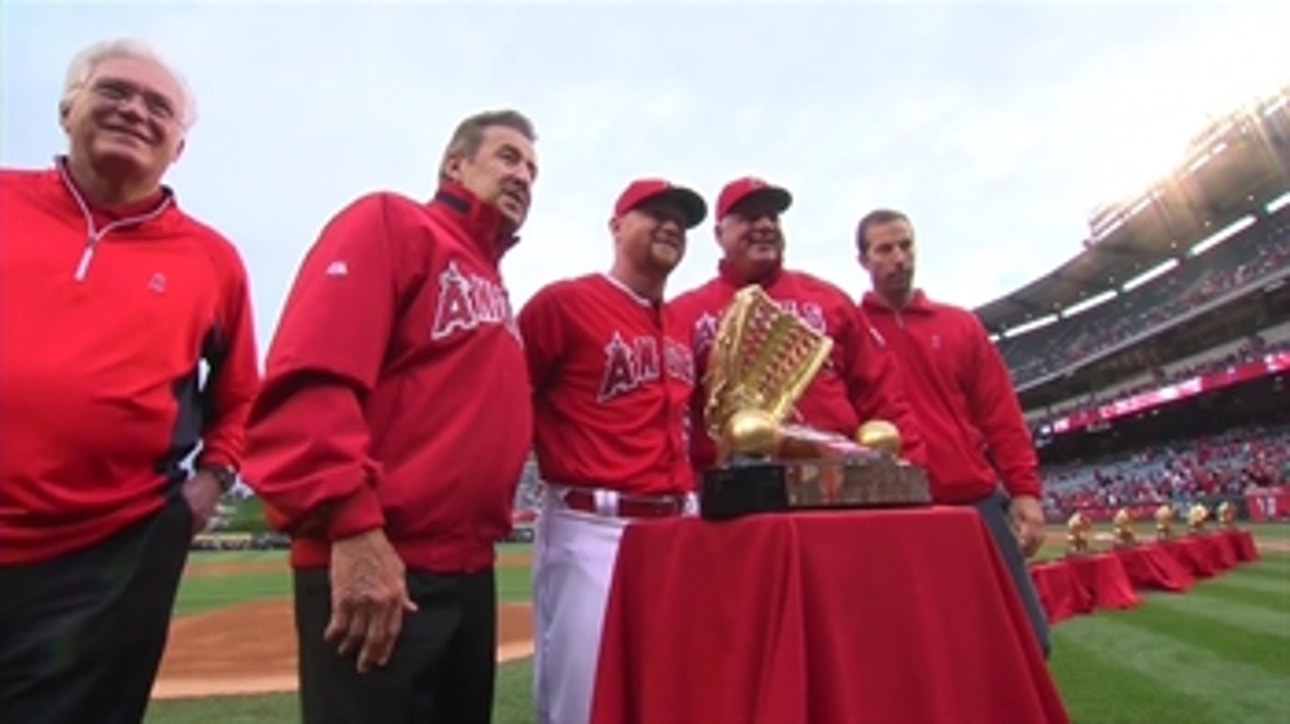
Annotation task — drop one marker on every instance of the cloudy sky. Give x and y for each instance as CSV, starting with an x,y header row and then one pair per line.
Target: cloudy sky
x,y
997,127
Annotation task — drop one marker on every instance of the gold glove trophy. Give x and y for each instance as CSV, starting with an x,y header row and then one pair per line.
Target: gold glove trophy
x,y
1196,517
1123,524
1079,531
1164,522
1227,514
762,361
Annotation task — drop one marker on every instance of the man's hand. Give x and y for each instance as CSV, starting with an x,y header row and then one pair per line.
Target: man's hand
x,y
368,598
1028,522
202,493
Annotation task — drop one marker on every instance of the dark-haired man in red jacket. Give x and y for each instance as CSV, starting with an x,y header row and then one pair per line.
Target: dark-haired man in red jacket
x,y
391,432
979,449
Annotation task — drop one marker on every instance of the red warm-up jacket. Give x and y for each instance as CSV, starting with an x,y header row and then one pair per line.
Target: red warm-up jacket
x,y
960,390
612,379
857,384
395,393
106,317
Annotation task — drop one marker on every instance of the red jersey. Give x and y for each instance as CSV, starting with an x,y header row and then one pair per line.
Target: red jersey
x,y
612,378
395,394
107,319
858,383
960,390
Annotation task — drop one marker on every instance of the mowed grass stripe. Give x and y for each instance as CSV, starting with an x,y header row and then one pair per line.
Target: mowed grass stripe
x,y
1255,619
1238,592
1277,584
1100,688
1235,690
1224,639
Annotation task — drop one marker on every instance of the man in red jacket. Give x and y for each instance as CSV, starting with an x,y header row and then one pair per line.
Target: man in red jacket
x,y
111,300
391,432
612,377
858,382
962,395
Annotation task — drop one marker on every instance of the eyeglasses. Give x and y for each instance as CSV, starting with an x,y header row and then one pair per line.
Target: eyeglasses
x,y
119,92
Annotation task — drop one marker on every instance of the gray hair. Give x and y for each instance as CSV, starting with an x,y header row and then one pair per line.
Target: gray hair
x,y
83,65
469,136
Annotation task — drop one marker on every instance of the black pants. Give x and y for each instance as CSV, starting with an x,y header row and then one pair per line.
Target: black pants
x,y
81,635
442,669
994,510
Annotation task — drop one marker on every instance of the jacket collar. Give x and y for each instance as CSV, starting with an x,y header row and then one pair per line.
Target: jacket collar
x,y
139,212
482,222
918,303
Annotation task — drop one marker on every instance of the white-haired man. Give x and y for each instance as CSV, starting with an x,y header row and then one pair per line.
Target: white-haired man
x,y
112,300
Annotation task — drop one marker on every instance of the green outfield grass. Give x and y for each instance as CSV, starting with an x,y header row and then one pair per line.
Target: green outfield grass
x,y
1218,654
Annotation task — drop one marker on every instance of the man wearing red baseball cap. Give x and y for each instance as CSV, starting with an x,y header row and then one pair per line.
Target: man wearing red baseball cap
x,y
612,378
857,384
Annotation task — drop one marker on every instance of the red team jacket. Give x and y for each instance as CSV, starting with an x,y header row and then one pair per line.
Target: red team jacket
x,y
106,318
395,394
857,384
612,377
960,390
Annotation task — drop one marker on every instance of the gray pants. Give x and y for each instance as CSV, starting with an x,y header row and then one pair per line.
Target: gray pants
x,y
994,510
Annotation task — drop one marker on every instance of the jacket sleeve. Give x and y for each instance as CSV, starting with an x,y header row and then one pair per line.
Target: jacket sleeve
x,y
233,376
997,414
543,332
874,383
308,440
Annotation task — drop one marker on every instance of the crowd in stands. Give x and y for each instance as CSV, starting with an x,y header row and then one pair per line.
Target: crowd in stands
x,y
1240,261
1253,348
1228,464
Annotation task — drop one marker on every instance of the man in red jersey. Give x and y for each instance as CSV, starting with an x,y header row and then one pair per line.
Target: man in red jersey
x,y
391,432
857,383
612,378
111,301
962,396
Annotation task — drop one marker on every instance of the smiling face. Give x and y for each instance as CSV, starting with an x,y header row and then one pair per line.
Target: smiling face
x,y
126,121
651,237
751,238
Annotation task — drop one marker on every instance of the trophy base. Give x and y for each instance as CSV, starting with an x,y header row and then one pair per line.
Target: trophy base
x,y
769,486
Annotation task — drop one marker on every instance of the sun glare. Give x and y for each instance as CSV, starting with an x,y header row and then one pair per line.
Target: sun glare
x,y
1150,116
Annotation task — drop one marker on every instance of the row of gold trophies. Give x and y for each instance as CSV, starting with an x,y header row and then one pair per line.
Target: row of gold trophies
x,y
1079,528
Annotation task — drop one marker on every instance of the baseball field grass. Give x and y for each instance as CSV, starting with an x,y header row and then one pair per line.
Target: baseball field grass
x,y
1219,653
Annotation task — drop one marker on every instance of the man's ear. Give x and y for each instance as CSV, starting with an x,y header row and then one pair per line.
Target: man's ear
x,y
179,149
64,111
863,259
452,167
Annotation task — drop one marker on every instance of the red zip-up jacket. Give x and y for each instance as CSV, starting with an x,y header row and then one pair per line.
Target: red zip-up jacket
x,y
857,384
960,390
612,378
395,392
106,318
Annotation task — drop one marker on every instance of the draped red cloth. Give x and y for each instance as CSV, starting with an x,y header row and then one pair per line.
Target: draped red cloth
x,y
1151,566
1103,576
874,615
1060,591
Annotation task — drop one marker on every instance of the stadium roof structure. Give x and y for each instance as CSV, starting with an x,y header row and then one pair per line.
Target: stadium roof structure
x,y
1236,167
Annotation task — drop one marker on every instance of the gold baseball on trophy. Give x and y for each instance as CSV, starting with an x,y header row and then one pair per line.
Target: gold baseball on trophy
x,y
880,435
752,432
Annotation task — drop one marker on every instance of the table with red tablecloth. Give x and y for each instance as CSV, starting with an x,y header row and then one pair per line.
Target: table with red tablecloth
x,y
1151,566
875,615
1061,593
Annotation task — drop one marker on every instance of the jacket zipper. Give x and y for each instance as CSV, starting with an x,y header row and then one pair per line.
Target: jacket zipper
x,y
94,235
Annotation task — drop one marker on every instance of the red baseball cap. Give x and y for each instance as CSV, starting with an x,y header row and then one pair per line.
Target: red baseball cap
x,y
742,189
648,189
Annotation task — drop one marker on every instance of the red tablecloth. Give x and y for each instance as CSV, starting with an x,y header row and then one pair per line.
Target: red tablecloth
x,y
1060,591
1194,554
1243,543
1223,550
1152,566
891,616
1103,576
